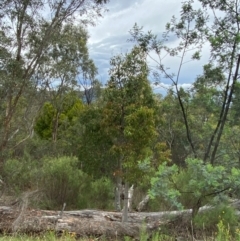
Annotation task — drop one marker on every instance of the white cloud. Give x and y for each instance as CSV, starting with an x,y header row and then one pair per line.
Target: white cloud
x,y
110,36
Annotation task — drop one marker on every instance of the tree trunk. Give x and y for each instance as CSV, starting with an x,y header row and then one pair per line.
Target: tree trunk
x,y
125,205
118,191
130,198
143,203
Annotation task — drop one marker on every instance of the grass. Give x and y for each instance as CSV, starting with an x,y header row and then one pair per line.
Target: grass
x,y
49,236
222,234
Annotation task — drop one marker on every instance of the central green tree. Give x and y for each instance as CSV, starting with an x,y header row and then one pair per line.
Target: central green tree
x,y
128,114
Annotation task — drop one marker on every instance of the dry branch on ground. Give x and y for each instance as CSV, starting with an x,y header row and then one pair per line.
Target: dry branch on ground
x,y
87,222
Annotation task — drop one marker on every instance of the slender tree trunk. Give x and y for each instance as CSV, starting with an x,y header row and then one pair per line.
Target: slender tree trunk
x,y
125,205
118,191
130,198
55,127
6,128
225,113
143,203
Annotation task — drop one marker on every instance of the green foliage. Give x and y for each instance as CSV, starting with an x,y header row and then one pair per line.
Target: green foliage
x,y
223,233
204,111
43,126
129,116
144,236
47,49
64,112
158,236
20,175
198,182
102,194
63,182
60,181
214,217
94,143
160,185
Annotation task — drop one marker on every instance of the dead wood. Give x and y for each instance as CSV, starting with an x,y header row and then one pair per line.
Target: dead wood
x,y
87,222
82,223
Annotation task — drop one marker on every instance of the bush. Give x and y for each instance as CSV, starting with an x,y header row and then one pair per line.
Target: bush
x,y
63,182
187,199
210,219
102,194
20,175
60,181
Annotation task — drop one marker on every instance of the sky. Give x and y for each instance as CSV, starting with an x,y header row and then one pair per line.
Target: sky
x,y
109,37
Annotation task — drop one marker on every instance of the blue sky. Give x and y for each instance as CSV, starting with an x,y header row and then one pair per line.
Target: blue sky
x,y
109,37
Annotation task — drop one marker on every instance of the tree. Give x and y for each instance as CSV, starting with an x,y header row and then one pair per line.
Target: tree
x,y
202,103
66,111
192,30
94,143
25,41
207,108
171,128
87,81
128,114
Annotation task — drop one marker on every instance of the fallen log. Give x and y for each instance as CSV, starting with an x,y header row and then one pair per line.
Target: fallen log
x,y
94,223
81,223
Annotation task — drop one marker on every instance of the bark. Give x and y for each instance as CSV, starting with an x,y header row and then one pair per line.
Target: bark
x,y
130,198
118,191
143,203
125,205
83,223
229,96
94,223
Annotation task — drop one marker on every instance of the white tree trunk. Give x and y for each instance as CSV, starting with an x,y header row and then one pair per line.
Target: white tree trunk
x,y
130,197
143,203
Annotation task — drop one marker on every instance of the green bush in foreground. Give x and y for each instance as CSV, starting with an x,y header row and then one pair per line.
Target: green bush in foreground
x,y
203,183
59,181
210,219
21,174
62,181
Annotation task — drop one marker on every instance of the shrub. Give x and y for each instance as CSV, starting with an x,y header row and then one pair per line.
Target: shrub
x,y
21,174
210,219
63,182
195,186
102,194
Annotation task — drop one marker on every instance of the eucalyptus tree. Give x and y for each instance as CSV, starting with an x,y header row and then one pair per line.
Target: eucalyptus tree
x,y
210,173
45,126
215,23
201,104
171,129
67,58
28,29
88,82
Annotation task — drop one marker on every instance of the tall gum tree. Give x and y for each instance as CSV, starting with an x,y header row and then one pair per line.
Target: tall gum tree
x,y
194,28
67,58
27,29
